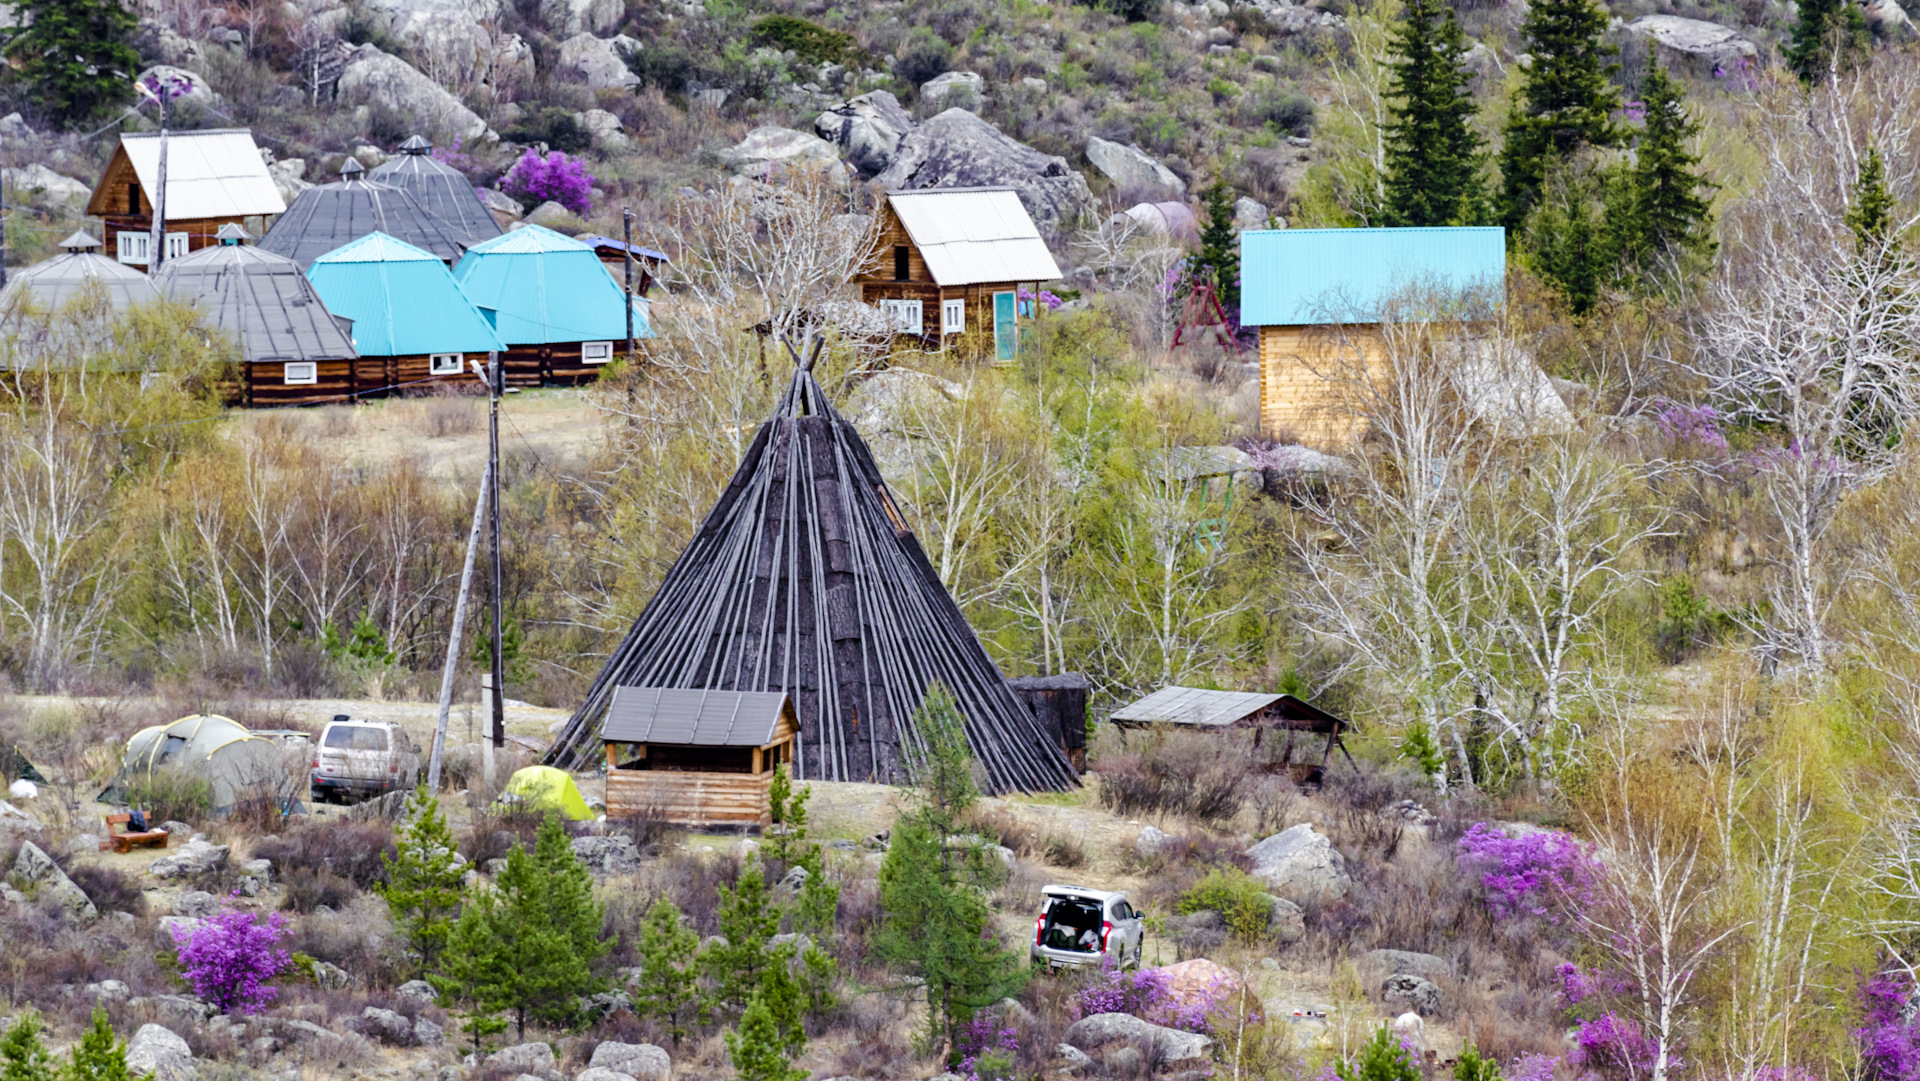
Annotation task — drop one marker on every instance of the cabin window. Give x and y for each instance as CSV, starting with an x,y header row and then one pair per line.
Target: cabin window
x,y
301,373
443,364
176,245
133,247
133,198
596,352
900,263
953,317
904,316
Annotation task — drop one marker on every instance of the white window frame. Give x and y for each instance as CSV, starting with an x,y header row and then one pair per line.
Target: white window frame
x,y
444,364
596,352
953,317
135,247
300,373
905,316
177,244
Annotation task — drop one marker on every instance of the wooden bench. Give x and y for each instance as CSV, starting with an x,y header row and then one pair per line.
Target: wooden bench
x,y
124,841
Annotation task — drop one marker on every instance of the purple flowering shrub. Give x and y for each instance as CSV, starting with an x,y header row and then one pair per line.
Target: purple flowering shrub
x,y
554,178
229,957
1614,1046
1695,424
1045,296
1889,1037
1147,994
1540,874
987,1047
1532,1068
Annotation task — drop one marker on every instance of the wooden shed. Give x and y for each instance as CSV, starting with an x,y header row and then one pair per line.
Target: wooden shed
x,y
1059,703
696,757
953,261
1258,713
214,178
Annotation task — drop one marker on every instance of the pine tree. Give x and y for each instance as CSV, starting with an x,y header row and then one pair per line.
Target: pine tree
x,y
1871,215
1220,248
1382,1059
473,972
23,1055
72,59
748,920
1669,213
1473,1066
758,1050
1433,153
1827,34
98,1056
569,900
423,880
1565,102
669,977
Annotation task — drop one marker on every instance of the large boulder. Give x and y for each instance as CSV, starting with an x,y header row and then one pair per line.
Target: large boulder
x,y
1199,984
164,928
35,875
1700,45
376,80
957,149
1412,993
1887,18
533,1058
1302,866
386,1026
1286,923
767,151
1394,962
13,820
35,185
607,130
866,130
640,1061
195,904
565,18
1149,842
196,857
455,34
188,87
611,855
156,1052
1133,170
964,87
601,63
1170,1045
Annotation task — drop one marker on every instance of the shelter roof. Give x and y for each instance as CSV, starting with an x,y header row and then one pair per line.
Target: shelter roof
x,y
1292,277
53,282
1192,706
613,244
704,717
402,300
1065,681
972,235
1199,463
216,173
543,287
440,189
260,298
323,218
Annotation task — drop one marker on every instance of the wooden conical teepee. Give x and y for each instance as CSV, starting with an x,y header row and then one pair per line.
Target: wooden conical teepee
x,y
805,578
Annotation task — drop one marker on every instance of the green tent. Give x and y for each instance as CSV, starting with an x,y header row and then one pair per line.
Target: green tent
x,y
542,789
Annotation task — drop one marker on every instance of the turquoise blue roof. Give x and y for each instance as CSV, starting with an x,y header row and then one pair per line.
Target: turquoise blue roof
x,y
544,287
1295,276
402,300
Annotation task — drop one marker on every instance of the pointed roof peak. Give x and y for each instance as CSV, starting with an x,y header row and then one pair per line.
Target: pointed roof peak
x,y
78,242
232,233
415,145
377,247
528,239
351,168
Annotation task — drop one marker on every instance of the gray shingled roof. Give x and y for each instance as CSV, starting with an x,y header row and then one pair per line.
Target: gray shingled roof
x,y
1190,705
440,190
262,299
705,718
53,282
324,218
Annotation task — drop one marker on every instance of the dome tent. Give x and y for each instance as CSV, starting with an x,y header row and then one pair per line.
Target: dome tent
x,y
541,789
236,764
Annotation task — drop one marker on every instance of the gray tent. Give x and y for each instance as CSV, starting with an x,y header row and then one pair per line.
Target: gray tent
x,y
53,282
237,764
260,298
440,189
332,215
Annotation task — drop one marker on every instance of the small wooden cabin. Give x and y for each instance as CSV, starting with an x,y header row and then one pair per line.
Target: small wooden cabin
x,y
612,252
214,178
1224,711
953,261
550,300
696,757
412,326
1059,703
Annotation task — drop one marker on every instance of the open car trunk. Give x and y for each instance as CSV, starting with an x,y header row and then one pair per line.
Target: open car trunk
x,y
1072,924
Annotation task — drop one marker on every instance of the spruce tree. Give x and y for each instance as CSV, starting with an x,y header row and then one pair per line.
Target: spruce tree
x,y
23,1055
1827,34
748,920
1670,213
1565,103
1220,248
98,1056
669,985
473,974
1433,153
1870,217
73,59
758,1050
423,880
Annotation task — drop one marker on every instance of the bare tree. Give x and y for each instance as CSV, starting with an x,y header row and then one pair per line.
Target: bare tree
x,y
268,509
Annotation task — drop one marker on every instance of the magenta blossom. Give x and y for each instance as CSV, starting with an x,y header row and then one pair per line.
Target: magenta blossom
x,y
555,178
1889,1036
1614,1045
984,1035
1696,424
229,957
1146,994
1532,1068
1542,874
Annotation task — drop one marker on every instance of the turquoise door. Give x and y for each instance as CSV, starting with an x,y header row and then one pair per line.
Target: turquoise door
x,y
1003,326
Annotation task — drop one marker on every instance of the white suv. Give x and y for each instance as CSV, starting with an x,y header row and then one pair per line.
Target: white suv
x,y
1079,926
357,758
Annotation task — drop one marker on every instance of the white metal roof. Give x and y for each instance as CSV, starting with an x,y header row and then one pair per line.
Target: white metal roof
x,y
970,235
210,174
1188,705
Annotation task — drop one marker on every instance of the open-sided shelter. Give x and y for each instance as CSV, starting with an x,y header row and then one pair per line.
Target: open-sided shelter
x,y
1317,296
51,283
440,189
953,260
613,253
562,318
326,217
698,757
1221,711
805,580
412,325
268,307
214,178
234,764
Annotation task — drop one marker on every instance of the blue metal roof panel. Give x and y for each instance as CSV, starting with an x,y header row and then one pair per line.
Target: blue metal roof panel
x,y
1301,276
546,289
403,301
595,240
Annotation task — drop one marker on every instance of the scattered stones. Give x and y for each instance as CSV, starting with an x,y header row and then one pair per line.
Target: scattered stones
x,y
1410,992
156,1051
195,904
534,1058
196,857
330,976
1134,170
1150,841
614,854
386,1026
108,991
1302,866
964,87
1170,1044
641,1061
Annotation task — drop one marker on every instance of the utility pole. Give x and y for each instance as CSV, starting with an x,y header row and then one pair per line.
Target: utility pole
x,y
453,639
3,232
626,227
496,376
158,241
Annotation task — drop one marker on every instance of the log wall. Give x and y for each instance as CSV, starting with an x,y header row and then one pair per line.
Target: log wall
x,y
263,383
693,799
1297,400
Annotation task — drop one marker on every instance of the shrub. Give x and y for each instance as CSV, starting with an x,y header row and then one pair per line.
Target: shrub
x,y
110,889
922,56
809,42
1288,111
308,890
553,178
1175,774
1535,875
553,126
1236,895
229,957
1383,1059
1888,1036
1145,994
168,794
665,65
354,851
987,1048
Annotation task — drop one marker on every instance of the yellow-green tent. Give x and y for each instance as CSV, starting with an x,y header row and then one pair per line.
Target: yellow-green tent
x,y
542,789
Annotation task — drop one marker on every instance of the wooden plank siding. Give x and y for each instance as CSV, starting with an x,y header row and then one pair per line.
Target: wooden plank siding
x,y
877,283
556,364
129,208
694,799
1298,401
263,383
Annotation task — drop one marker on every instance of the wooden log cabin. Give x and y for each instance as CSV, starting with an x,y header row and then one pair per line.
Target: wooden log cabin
x,y
553,304
412,326
952,261
701,758
1246,711
214,178
1317,297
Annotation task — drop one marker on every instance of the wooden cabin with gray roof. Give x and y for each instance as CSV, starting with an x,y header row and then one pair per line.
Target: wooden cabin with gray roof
x,y
214,178
696,757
